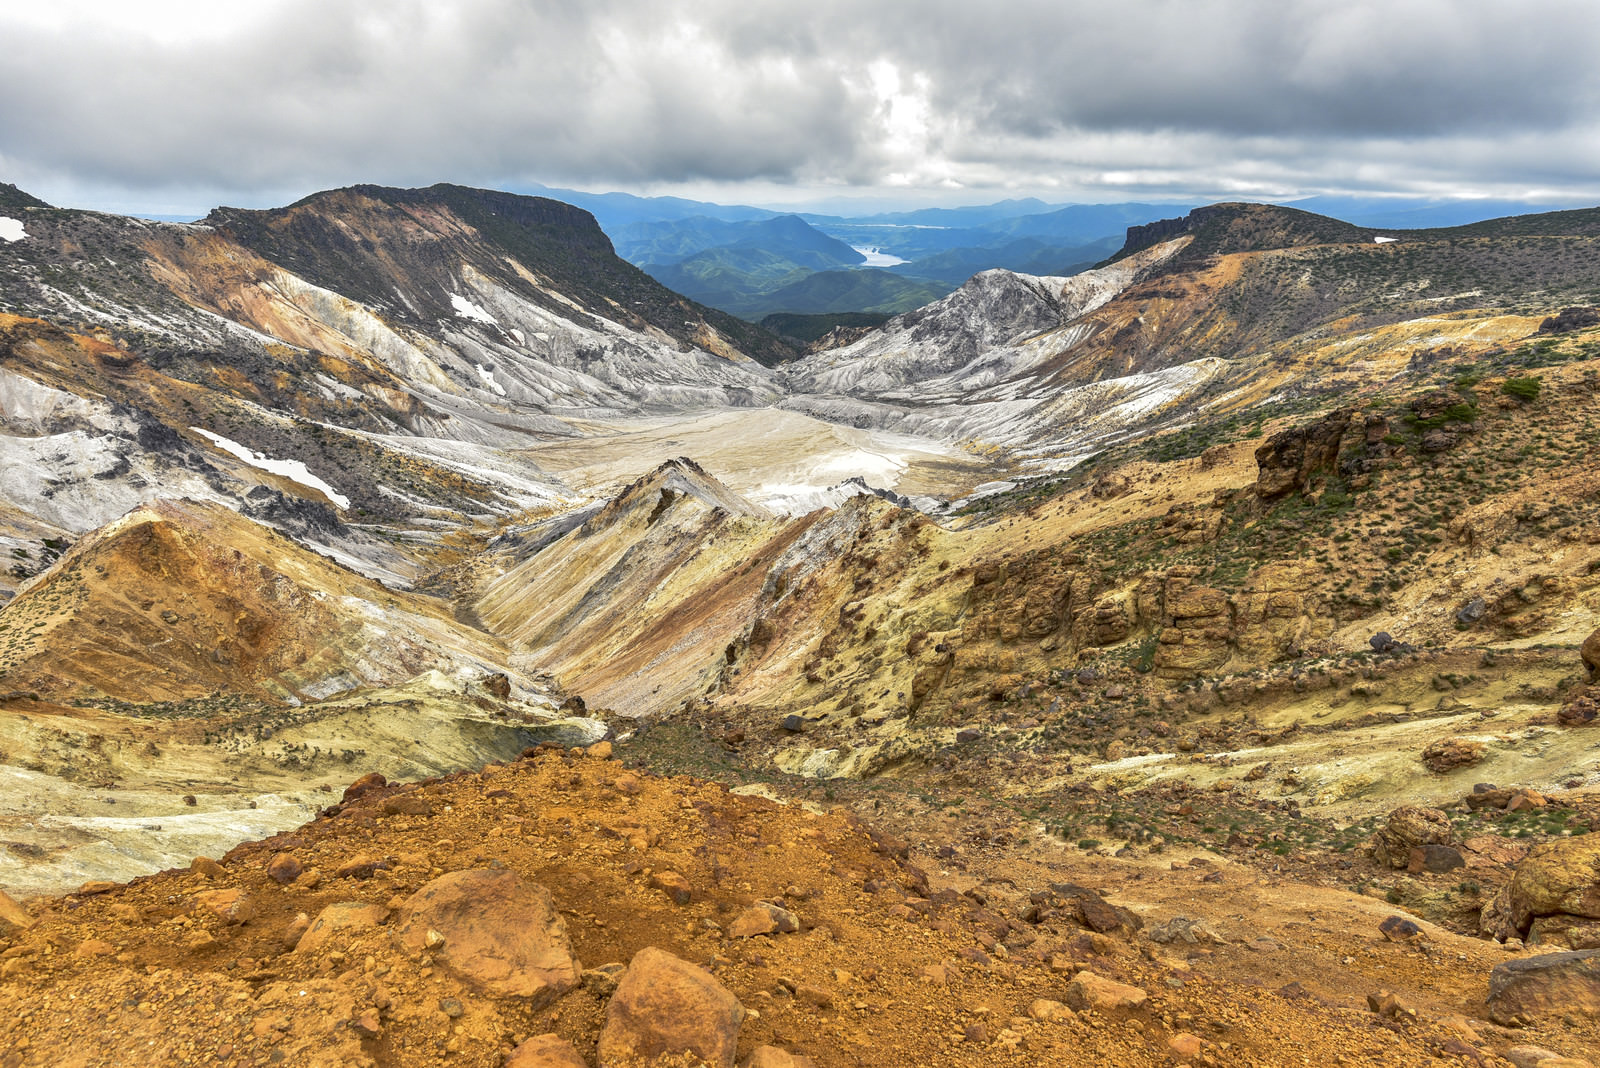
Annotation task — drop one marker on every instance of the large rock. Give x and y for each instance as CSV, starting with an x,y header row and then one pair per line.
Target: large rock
x,y
1291,457
1590,651
13,917
1448,754
1560,878
1536,988
1409,827
663,1006
500,933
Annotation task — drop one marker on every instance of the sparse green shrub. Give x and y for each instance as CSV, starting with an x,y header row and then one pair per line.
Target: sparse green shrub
x,y
1524,389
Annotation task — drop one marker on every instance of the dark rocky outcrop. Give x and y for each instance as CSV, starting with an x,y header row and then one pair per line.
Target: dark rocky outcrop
x,y
1569,319
1290,458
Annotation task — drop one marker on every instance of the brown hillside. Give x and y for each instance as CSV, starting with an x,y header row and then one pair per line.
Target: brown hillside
x,y
182,599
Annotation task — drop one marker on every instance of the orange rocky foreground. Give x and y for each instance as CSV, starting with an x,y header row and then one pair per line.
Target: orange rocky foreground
x,y
563,910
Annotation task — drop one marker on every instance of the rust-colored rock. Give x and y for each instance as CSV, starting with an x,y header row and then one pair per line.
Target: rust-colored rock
x,y
1090,991
360,866
410,804
1408,827
1448,754
1578,712
674,885
364,785
545,1051
341,918
1538,988
501,933
1558,878
1400,929
230,906
284,868
207,867
1589,652
665,1005
764,918
13,917
773,1057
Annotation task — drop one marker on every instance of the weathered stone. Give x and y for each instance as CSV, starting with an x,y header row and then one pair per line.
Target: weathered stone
x,y
673,885
773,1057
1186,1047
1589,652
764,918
207,867
409,804
13,917
1047,1011
1197,602
229,906
602,981
1289,458
1400,929
498,685
284,868
1434,858
366,784
1090,991
1525,799
1408,827
343,917
361,866
664,1005
1182,929
502,933
545,1051
1557,878
1448,754
1391,1005
1578,712
1537,988
1532,1056
1568,932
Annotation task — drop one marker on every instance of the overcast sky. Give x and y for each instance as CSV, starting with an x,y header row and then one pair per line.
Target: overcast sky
x,y
175,106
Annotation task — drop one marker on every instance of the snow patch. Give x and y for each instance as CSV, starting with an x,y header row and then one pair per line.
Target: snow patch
x,y
468,310
11,229
795,499
1384,240
293,470
488,379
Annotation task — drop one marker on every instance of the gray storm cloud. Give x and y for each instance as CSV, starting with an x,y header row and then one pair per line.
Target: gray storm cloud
x,y
1253,95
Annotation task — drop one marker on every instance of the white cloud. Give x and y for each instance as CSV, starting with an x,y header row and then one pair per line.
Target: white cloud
x,y
179,100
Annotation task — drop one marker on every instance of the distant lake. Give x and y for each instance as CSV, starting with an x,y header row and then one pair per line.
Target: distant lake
x,y
876,257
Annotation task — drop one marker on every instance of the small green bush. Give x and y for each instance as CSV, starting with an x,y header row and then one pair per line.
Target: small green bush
x,y
1524,389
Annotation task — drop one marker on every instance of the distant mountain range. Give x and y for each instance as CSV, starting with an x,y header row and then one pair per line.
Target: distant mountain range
x,y
754,262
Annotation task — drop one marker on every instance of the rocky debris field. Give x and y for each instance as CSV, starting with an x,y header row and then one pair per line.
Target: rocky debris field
x,y
562,909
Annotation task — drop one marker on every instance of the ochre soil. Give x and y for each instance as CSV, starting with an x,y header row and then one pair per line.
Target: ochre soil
x,y
893,966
